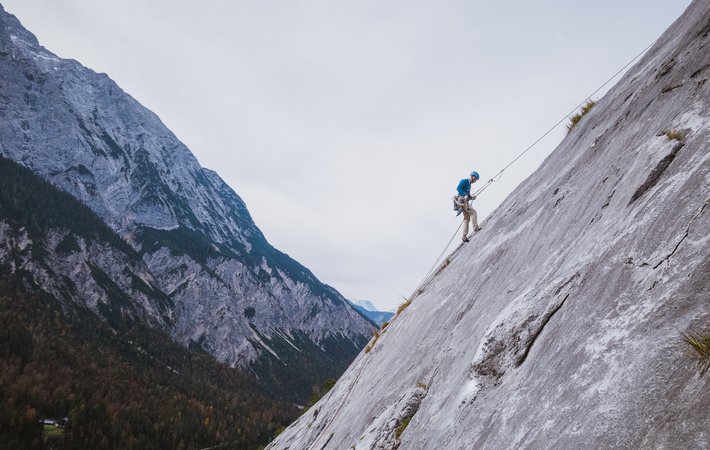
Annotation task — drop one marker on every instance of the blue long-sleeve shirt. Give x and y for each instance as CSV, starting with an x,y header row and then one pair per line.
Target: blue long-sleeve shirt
x,y
464,188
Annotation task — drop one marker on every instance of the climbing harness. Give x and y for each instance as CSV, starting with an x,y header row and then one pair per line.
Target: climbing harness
x,y
498,175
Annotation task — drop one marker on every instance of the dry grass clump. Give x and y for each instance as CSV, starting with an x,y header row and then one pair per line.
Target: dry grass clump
x,y
700,343
574,120
371,345
674,135
403,306
443,266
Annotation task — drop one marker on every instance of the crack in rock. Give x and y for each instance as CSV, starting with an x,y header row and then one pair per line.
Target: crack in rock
x,y
666,68
387,428
630,260
697,72
685,235
508,344
670,88
546,319
656,173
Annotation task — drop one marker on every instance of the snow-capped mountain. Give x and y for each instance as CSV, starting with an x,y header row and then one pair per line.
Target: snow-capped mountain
x,y
229,290
370,311
367,304
558,325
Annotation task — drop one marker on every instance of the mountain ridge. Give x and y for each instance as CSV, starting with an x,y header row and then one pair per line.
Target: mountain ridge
x,y
85,135
84,335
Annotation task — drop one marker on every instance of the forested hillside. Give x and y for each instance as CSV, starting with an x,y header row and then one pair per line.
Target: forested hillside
x,y
134,389
120,383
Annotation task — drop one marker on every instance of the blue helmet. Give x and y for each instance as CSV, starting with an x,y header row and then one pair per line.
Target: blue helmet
x,y
475,175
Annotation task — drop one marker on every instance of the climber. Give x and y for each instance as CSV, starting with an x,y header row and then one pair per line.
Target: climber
x,y
462,203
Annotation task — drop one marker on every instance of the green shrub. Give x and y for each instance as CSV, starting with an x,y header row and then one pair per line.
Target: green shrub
x,y
403,426
52,435
574,120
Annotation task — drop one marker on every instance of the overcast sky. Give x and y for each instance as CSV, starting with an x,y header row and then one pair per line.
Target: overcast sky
x,y
346,125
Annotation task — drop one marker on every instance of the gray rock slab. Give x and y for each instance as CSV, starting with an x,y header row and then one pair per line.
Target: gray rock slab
x,y
558,325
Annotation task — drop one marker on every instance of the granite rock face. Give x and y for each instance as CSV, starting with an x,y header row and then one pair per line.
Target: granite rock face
x,y
558,325
232,293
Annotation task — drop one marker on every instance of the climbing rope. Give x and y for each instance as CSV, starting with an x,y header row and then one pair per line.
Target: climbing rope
x,y
427,277
337,411
498,175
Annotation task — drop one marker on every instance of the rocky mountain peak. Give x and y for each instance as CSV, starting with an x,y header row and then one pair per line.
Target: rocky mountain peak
x,y
232,293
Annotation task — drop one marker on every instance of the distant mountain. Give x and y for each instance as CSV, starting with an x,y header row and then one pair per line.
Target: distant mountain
x,y
370,311
188,259
558,326
84,334
367,304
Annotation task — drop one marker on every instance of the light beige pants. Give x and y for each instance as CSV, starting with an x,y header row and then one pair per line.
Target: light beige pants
x,y
469,215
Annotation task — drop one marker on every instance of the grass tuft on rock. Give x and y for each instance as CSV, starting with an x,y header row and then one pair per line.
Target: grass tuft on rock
x,y
574,120
674,135
403,426
403,306
699,342
371,345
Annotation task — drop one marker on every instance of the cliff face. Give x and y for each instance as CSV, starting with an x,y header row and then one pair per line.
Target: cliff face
x,y
557,326
230,291
55,244
82,335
